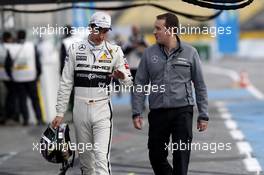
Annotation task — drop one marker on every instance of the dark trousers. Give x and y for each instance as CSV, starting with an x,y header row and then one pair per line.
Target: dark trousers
x,y
133,74
29,89
32,92
163,123
22,100
11,101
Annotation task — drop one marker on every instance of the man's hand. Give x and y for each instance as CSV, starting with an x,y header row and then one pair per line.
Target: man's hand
x,y
56,122
138,122
202,125
118,75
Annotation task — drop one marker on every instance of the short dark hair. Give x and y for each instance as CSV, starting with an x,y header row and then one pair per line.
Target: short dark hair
x,y
6,36
21,34
171,21
67,30
100,29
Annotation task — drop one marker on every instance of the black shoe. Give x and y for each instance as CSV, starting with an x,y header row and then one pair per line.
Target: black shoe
x,y
2,122
16,119
25,123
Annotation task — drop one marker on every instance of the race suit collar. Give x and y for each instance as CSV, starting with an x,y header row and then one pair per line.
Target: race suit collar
x,y
92,45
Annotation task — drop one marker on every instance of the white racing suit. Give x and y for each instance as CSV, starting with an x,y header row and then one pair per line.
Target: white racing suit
x,y
87,69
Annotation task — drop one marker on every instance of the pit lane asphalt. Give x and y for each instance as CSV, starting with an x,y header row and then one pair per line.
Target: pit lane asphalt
x,y
129,154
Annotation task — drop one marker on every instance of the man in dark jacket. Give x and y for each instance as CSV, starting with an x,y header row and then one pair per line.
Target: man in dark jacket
x,y
173,68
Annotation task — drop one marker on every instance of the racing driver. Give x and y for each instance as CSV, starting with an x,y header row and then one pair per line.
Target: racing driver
x,y
89,67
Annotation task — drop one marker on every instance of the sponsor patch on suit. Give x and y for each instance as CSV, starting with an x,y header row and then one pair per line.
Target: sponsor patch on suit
x,y
104,61
81,58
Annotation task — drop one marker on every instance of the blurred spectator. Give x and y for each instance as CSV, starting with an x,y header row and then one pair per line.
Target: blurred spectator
x,y
2,102
134,49
11,108
30,85
3,76
26,70
118,41
66,42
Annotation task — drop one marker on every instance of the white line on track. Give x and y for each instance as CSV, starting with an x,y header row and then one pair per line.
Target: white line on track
x,y
251,164
7,156
222,110
223,71
237,135
254,91
226,115
231,124
235,77
244,148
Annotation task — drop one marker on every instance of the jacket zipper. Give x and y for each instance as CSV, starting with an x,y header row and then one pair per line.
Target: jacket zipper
x,y
187,94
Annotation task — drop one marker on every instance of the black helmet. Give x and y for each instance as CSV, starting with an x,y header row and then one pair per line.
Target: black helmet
x,y
56,144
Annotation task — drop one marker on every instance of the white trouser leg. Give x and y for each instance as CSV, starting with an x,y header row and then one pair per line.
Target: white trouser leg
x,y
84,136
102,135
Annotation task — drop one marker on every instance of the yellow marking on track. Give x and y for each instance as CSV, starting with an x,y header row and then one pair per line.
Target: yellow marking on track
x,y
41,102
